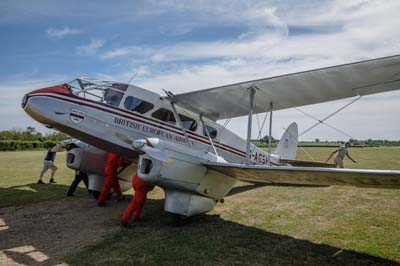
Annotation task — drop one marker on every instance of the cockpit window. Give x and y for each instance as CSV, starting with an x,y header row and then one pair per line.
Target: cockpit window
x,y
113,97
135,104
101,91
212,131
164,115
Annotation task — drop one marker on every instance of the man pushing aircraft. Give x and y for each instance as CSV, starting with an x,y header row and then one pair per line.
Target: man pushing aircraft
x,y
137,203
341,153
48,162
113,162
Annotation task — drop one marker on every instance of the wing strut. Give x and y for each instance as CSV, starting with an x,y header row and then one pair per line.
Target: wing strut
x,y
208,135
178,119
251,106
270,132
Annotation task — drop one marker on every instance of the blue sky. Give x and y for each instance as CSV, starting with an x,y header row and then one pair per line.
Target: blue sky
x,y
191,45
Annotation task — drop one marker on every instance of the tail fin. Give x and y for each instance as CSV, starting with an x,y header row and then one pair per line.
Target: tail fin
x,y
287,146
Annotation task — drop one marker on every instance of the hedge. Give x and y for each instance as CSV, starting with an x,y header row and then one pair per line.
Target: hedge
x,y
15,145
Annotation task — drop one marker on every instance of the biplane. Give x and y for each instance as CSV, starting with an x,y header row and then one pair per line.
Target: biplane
x,y
175,141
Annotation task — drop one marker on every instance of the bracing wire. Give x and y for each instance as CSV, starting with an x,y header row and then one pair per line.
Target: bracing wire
x,y
322,121
326,124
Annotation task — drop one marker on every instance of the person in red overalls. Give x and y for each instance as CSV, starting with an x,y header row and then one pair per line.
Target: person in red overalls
x,y
135,207
113,162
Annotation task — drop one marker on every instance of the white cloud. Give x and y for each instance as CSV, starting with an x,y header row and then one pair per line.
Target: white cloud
x,y
91,48
339,33
11,113
61,33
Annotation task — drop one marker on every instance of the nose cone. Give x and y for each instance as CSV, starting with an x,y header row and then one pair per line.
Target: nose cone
x,y
59,89
41,104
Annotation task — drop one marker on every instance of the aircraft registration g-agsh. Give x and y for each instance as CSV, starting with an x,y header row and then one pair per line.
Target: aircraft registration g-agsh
x,y
175,142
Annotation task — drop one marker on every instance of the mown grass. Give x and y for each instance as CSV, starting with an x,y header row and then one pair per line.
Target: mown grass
x,y
367,158
271,225
19,172
262,225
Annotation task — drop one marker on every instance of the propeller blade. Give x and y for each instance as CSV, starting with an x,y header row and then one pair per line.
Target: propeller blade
x,y
123,137
157,154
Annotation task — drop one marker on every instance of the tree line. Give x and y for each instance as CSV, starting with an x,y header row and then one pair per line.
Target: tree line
x,y
29,139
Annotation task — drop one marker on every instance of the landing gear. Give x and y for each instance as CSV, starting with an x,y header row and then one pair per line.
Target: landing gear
x,y
179,220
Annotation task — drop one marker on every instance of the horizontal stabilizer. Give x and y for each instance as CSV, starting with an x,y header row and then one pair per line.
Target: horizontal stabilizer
x,y
310,175
302,163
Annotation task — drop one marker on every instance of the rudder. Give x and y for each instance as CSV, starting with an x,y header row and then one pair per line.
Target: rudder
x,y
287,146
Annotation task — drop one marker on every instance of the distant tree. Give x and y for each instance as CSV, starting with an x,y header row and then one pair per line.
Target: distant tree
x,y
266,139
316,140
30,134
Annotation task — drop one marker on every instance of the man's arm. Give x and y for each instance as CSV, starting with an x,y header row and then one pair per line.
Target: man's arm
x,y
57,148
348,156
330,156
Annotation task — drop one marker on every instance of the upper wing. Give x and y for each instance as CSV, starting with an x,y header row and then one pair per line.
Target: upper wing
x,y
303,88
310,175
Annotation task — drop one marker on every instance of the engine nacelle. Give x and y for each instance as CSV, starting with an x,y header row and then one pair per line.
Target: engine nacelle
x,y
190,187
92,161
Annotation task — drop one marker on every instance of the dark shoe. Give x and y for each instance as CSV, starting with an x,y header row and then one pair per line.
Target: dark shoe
x,y
124,224
121,198
70,195
137,220
101,204
52,181
40,181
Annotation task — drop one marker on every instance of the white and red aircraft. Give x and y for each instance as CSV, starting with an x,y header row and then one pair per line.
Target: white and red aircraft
x,y
175,142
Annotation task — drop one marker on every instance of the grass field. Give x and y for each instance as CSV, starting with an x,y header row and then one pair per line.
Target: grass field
x,y
262,225
19,172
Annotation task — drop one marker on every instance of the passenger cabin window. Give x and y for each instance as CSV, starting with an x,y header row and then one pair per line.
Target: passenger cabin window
x,y
188,123
164,115
212,131
135,104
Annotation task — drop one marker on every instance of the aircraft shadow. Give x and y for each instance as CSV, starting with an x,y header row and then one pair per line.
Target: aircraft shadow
x,y
56,225
49,232
211,240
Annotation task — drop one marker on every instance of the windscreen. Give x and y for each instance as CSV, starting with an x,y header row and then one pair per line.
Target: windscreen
x,y
102,91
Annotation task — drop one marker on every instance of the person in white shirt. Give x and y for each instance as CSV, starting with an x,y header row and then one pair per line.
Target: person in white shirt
x,y
341,153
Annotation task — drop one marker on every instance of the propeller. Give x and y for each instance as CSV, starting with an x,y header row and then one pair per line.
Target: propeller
x,y
157,154
141,144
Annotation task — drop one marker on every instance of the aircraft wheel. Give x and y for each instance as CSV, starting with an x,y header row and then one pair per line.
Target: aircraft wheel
x,y
179,220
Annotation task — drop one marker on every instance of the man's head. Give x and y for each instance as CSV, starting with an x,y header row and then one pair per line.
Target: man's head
x,y
347,144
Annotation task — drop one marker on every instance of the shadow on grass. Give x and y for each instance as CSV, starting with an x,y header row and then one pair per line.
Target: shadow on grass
x,y
207,240
210,240
45,232
32,193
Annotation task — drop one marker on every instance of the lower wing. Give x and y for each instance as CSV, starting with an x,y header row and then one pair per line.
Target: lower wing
x,y
309,175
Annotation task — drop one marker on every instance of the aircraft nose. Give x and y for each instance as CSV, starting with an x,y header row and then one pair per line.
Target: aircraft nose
x,y
41,105
59,89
